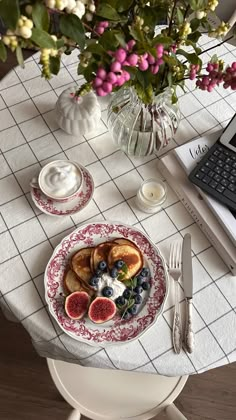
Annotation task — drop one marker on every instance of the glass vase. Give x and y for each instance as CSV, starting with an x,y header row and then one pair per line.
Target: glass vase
x,y
139,129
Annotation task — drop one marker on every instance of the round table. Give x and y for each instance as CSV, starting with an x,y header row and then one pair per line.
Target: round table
x,y
30,137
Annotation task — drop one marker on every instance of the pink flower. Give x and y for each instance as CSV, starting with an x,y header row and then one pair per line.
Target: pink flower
x,y
120,55
107,87
132,59
101,73
111,77
143,64
116,66
100,92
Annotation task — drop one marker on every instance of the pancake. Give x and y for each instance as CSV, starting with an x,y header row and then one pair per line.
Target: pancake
x,y
100,253
131,255
72,283
80,264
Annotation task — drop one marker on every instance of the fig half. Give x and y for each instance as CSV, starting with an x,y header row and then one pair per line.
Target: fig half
x,y
76,304
102,309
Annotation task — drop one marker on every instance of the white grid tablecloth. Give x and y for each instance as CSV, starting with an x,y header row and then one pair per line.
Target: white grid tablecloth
x,y
30,137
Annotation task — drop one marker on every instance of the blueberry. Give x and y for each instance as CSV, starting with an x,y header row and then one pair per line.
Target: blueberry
x,y
138,299
120,300
119,264
144,272
138,289
102,265
133,310
145,285
107,291
127,293
140,280
114,272
94,281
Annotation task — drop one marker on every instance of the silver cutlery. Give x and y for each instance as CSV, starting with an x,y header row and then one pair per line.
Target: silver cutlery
x,y
175,272
188,289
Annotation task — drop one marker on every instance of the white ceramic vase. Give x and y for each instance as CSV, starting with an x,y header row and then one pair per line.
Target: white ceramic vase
x,y
77,116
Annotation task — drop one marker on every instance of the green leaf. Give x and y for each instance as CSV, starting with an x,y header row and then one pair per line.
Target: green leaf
x,y
196,4
60,43
125,269
134,282
142,77
127,283
194,37
136,33
174,97
42,39
120,36
20,57
3,52
96,49
104,10
164,40
195,24
131,303
146,95
109,41
192,44
214,59
192,58
120,276
89,71
169,78
54,65
179,15
9,12
124,5
171,61
71,26
40,16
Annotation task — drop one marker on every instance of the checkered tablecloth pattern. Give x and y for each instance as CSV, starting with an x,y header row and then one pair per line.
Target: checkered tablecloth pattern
x,y
29,138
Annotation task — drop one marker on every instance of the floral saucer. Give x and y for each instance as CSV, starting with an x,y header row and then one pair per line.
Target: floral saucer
x,y
55,208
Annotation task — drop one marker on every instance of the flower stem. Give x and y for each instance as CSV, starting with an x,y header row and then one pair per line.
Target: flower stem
x,y
215,46
171,17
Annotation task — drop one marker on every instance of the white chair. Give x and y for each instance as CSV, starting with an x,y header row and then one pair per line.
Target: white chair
x,y
104,394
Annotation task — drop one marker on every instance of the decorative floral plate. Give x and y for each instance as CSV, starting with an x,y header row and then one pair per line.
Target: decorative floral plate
x,y
116,331
56,208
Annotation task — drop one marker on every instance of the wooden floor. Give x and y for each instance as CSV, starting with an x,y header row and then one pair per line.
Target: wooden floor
x,y
28,393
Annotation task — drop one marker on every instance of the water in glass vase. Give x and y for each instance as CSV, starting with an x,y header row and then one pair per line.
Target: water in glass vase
x,y
140,129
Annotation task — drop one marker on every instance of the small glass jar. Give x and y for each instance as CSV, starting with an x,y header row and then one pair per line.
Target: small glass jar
x,y
151,195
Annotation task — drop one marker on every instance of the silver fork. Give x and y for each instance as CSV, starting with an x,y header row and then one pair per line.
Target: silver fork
x,y
175,272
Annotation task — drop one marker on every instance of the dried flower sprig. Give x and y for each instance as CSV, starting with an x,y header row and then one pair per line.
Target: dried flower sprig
x,y
117,42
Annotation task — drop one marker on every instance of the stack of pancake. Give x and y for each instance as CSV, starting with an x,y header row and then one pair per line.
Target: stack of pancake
x,y
84,263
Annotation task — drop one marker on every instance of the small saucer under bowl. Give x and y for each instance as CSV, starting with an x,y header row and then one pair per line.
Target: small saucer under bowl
x,y
76,204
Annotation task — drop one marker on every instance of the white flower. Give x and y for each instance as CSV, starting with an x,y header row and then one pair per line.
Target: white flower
x,y
79,10
25,32
71,4
51,4
92,8
200,14
89,16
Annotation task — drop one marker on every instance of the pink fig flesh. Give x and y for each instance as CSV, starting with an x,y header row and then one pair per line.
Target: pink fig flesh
x,y
101,310
76,304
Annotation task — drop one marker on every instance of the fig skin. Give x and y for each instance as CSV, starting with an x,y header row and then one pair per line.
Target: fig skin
x,y
101,310
81,304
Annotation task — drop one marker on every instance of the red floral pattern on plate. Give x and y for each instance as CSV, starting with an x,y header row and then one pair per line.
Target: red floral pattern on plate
x,y
72,206
117,330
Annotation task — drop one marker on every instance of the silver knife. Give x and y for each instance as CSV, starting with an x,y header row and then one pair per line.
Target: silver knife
x,y
188,289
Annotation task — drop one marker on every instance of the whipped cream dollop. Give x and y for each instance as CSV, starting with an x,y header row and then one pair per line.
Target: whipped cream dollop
x,y
117,286
60,179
